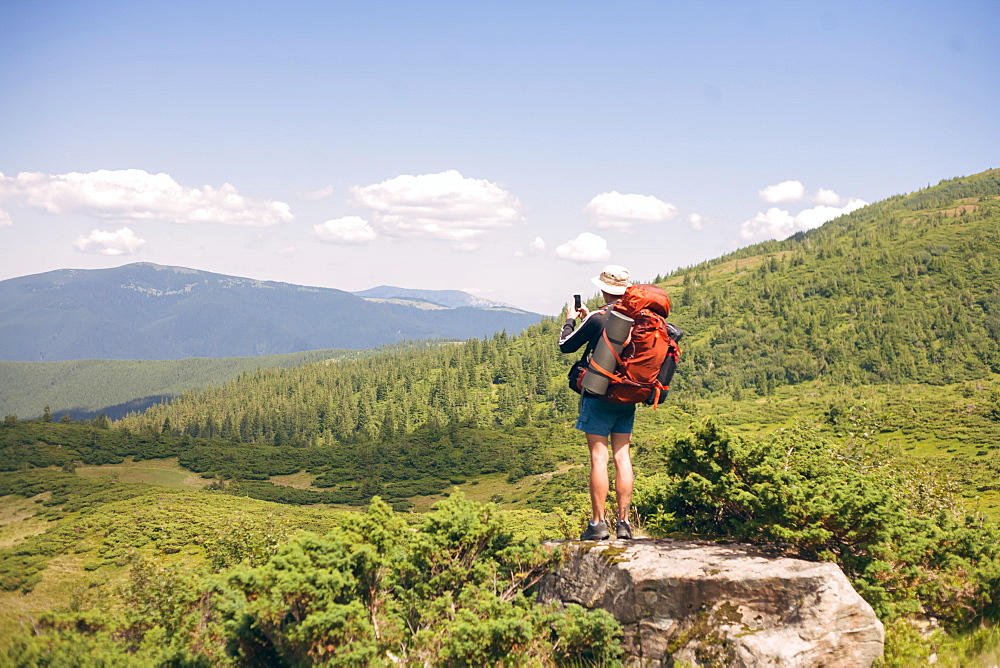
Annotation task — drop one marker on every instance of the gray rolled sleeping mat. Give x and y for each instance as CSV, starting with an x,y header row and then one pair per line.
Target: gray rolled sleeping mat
x,y
605,358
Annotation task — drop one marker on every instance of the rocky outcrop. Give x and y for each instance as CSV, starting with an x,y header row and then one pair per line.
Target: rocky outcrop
x,y
699,603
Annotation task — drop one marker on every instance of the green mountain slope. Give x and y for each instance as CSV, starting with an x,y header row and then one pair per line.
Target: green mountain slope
x,y
83,389
890,293
902,290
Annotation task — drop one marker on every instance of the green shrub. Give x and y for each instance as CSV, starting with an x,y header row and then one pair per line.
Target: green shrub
x,y
905,550
458,591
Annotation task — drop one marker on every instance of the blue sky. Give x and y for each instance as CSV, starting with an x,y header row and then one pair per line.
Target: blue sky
x,y
509,149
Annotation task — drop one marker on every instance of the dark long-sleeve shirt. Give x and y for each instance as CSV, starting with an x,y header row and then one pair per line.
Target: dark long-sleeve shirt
x,y
588,333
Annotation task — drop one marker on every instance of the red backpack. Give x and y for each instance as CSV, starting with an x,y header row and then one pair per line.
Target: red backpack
x,y
649,357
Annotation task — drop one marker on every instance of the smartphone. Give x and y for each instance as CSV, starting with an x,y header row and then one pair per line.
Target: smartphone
x,y
576,302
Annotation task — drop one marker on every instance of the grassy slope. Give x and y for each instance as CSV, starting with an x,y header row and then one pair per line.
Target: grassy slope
x,y
18,521
98,542
164,472
94,543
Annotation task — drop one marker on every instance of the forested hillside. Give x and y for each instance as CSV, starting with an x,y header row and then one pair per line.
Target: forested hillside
x,y
905,290
893,293
499,381
83,389
427,416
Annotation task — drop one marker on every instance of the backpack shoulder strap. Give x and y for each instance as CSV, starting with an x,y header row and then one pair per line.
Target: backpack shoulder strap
x,y
588,349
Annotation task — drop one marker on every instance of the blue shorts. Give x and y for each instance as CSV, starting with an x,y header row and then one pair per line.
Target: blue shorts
x,y
604,418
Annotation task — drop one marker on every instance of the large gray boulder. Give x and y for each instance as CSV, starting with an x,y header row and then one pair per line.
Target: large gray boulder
x,y
707,604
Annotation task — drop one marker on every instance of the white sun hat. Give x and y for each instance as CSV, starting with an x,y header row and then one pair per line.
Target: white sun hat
x,y
613,279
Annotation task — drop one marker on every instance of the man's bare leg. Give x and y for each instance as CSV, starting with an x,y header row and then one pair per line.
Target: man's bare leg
x,y
624,479
599,475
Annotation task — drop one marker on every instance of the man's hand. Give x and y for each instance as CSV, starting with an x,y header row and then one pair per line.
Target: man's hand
x,y
581,314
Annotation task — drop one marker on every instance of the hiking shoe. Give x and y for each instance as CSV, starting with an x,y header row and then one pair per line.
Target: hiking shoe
x,y
597,531
623,530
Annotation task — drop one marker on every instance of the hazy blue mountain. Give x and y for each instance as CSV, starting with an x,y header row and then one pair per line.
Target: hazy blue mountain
x,y
145,311
431,298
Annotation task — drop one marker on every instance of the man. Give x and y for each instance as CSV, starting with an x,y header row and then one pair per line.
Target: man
x,y
602,420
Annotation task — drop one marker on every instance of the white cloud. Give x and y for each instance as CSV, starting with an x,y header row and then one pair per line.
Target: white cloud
x,y
536,247
5,219
134,194
120,242
774,223
778,223
319,193
829,197
818,215
349,230
445,206
587,247
786,191
614,210
697,221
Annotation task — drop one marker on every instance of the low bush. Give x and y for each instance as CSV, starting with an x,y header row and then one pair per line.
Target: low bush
x,y
457,591
906,549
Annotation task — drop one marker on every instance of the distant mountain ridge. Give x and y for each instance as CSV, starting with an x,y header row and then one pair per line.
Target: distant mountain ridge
x,y
144,311
440,298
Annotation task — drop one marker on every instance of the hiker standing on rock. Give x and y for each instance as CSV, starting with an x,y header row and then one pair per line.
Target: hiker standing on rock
x,y
601,420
